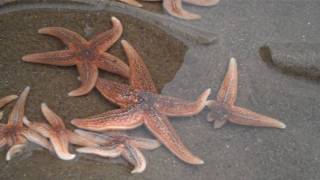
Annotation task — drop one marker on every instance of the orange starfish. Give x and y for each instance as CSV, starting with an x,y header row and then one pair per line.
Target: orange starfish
x,y
59,136
119,145
223,109
88,56
174,7
141,104
14,134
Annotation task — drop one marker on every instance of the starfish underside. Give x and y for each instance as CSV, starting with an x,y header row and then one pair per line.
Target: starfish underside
x,y
58,134
119,145
141,104
88,56
14,134
223,108
174,7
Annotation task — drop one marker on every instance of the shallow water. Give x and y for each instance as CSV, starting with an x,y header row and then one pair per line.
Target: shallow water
x,y
233,152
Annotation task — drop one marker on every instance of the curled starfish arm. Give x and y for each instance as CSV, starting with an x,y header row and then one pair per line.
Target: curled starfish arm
x,y
59,58
161,128
228,91
60,145
171,106
72,39
144,143
104,151
135,157
17,114
140,77
105,40
52,118
7,99
118,93
119,119
244,116
15,149
88,77
77,139
131,2
112,64
174,7
36,138
202,2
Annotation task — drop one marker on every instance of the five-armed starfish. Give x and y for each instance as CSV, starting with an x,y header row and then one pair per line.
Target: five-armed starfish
x,y
14,134
59,136
88,56
174,7
141,104
119,145
223,109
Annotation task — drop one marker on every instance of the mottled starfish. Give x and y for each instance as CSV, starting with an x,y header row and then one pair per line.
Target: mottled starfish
x,y
223,109
174,7
14,134
88,56
59,135
115,145
141,104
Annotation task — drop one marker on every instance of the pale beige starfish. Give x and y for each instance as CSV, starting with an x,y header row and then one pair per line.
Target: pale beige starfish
x,y
223,109
119,145
58,134
174,7
14,134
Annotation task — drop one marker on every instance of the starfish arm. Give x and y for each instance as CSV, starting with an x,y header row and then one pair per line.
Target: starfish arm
x,y
118,93
59,58
112,64
105,40
77,139
143,143
202,2
246,117
171,106
140,77
174,8
41,128
88,76
7,99
104,151
161,128
135,157
131,2
36,138
17,114
72,39
60,144
228,90
54,120
95,137
119,119
15,149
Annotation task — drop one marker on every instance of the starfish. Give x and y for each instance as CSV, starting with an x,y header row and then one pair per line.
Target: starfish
x,y
14,134
6,100
223,109
119,145
141,104
88,56
59,136
174,7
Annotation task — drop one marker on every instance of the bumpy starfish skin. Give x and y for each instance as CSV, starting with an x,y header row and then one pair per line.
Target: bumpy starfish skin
x,y
174,7
59,136
88,56
120,145
141,104
6,100
14,134
223,109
